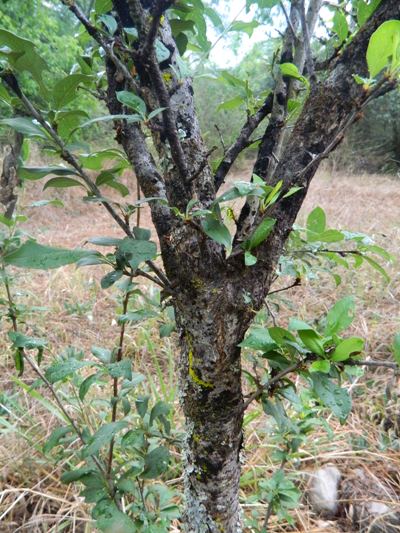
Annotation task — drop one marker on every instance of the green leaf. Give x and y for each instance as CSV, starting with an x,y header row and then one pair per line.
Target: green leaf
x,y
109,279
290,70
316,220
332,396
321,366
22,56
76,475
276,409
129,118
86,384
20,340
136,316
135,251
377,267
102,6
94,258
247,27
110,23
34,255
258,339
142,234
340,316
25,126
103,354
233,103
64,369
162,52
120,369
383,46
396,348
69,121
115,522
281,335
364,10
62,183
292,191
103,436
132,101
37,173
142,403
347,347
330,235
105,241
19,361
156,112
55,438
217,230
161,409
312,341
65,90
156,463
340,26
249,259
297,325
260,233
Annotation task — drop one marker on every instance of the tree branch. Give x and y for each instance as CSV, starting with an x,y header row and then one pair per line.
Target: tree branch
x,y
106,45
307,44
232,153
159,9
147,58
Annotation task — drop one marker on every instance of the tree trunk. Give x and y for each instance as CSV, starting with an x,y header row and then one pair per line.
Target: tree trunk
x,y
212,401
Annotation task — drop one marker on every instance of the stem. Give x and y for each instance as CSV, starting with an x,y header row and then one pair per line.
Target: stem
x,y
41,375
115,381
271,503
12,82
296,283
138,197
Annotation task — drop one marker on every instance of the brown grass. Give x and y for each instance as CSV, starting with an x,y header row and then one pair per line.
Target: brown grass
x,y
31,493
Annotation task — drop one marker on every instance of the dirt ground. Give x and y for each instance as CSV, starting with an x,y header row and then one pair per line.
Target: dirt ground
x,y
369,204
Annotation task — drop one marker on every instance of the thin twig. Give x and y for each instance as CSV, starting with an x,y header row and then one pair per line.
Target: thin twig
x,y
39,372
202,165
307,45
296,283
241,142
221,138
149,61
70,158
159,9
373,363
288,20
271,503
118,358
311,357
273,381
103,42
380,88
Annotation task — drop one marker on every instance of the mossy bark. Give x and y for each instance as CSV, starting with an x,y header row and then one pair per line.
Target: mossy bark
x,y
212,401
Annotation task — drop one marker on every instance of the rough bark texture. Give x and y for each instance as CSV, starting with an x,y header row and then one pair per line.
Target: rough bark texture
x,y
215,297
9,179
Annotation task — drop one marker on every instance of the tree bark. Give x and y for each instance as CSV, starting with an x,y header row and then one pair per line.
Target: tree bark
x,y
212,401
9,179
216,297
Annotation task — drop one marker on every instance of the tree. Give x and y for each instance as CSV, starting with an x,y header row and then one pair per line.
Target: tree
x,y
217,283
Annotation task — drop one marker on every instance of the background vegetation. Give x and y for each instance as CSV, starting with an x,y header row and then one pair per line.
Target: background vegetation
x,y
72,311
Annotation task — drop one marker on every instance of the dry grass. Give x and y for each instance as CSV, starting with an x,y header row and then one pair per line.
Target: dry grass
x,y
32,497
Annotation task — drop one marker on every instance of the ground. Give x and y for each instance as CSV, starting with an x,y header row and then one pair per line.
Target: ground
x,y
75,311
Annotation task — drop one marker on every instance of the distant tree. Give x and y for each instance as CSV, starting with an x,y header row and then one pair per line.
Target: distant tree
x,y
216,282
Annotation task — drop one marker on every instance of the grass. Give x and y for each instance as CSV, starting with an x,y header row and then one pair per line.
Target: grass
x,y
75,311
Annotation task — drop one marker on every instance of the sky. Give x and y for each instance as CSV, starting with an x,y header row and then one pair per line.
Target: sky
x,y
222,54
